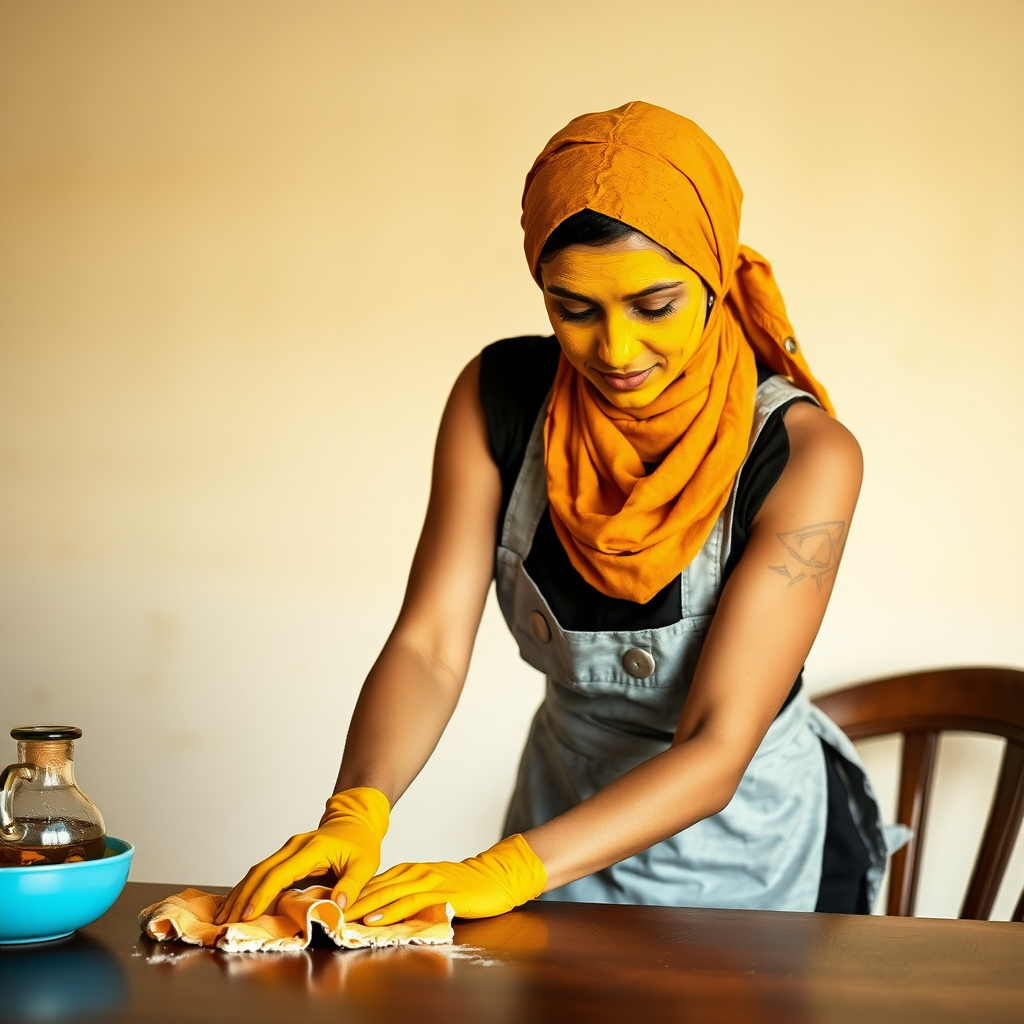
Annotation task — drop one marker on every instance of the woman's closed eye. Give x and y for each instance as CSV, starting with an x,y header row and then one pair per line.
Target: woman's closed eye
x,y
575,316
655,314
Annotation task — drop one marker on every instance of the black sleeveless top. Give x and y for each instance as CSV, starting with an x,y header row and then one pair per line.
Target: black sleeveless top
x,y
515,377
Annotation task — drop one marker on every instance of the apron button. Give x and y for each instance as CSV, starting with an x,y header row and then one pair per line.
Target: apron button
x,y
539,627
790,346
639,664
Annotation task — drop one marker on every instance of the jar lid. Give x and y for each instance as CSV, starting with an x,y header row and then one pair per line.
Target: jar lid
x,y
46,732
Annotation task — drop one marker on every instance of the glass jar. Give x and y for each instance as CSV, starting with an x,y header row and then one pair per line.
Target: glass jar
x,y
44,817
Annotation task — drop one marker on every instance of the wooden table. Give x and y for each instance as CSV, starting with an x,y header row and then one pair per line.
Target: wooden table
x,y
546,962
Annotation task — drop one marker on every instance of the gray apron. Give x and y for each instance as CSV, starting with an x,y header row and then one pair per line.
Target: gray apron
x,y
613,700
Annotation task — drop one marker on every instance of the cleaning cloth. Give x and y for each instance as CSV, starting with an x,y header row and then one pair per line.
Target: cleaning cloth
x,y
188,916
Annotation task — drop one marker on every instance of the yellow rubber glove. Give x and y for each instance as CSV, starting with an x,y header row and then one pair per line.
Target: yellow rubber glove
x,y
347,843
497,881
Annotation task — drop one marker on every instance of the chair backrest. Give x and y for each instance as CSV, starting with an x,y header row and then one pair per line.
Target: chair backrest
x,y
920,706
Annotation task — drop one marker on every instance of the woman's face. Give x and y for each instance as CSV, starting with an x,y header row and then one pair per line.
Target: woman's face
x,y
628,316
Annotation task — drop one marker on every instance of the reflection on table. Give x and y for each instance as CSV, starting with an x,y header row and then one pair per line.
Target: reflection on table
x,y
73,977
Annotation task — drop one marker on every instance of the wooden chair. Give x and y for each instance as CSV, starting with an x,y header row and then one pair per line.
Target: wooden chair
x,y
920,706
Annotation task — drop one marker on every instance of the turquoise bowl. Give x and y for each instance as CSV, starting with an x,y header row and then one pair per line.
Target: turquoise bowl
x,y
50,901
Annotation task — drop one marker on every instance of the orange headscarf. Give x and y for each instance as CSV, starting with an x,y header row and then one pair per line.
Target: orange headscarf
x,y
627,532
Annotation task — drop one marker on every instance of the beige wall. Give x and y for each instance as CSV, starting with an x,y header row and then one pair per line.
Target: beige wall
x,y
244,250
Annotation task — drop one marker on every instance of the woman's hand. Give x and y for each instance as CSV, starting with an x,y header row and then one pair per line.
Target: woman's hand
x,y
346,843
499,880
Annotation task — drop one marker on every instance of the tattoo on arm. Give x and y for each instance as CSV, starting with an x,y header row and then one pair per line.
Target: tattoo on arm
x,y
815,549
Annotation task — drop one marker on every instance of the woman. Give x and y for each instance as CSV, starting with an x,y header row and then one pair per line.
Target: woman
x,y
662,496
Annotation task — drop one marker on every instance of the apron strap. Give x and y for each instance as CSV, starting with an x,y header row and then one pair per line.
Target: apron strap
x,y
530,494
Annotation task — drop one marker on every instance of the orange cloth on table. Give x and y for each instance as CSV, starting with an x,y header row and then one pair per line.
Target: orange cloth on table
x,y
627,532
188,916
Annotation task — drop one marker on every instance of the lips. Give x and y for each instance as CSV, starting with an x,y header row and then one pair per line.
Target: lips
x,y
627,381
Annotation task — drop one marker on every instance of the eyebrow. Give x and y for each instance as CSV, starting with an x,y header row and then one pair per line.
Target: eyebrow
x,y
564,293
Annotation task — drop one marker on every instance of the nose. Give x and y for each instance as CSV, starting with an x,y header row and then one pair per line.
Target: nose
x,y
618,345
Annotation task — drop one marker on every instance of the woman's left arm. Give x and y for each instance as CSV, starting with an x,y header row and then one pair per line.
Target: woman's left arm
x,y
767,618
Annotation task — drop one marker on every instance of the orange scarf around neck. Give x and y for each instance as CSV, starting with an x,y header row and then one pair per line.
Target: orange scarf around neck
x,y
626,531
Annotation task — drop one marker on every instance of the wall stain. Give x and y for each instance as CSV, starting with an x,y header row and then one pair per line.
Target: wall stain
x,y
182,740
162,634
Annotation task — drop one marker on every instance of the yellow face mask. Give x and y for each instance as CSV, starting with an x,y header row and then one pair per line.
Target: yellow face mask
x,y
628,317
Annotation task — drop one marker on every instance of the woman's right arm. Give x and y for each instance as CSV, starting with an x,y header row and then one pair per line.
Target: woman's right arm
x,y
412,690
413,687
